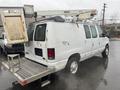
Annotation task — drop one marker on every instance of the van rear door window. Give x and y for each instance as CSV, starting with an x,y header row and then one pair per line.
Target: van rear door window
x,y
40,32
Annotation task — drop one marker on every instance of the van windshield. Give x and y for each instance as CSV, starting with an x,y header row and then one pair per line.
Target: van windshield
x,y
30,31
40,32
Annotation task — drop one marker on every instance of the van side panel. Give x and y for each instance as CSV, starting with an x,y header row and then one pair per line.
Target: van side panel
x,y
66,38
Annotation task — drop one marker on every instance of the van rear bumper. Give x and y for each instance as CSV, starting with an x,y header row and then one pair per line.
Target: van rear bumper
x,y
57,64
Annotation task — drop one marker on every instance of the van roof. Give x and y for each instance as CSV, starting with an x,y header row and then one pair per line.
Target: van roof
x,y
46,21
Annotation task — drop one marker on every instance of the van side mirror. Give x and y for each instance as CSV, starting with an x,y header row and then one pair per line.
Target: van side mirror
x,y
103,35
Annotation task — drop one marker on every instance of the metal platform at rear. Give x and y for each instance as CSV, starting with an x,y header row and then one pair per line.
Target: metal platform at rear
x,y
29,71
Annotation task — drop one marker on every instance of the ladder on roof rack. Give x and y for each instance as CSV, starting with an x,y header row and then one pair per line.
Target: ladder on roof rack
x,y
80,14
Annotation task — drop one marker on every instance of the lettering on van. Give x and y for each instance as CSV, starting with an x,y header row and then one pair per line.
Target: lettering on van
x,y
66,43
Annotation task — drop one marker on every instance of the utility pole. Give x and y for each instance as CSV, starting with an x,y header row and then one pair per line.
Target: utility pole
x,y
103,19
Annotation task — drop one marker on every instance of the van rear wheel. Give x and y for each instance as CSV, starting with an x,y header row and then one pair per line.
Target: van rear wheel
x,y
72,65
105,53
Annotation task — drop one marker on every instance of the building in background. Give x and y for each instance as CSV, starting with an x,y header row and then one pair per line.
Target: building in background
x,y
113,29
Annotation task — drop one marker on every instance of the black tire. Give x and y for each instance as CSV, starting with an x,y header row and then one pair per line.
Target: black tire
x,y
1,50
105,53
70,62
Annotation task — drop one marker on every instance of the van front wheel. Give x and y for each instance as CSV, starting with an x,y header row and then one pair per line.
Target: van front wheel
x,y
72,65
105,53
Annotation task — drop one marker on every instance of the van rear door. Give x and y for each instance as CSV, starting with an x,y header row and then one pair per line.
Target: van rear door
x,y
39,42
35,49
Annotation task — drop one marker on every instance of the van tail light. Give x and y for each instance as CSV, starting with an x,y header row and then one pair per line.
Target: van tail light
x,y
51,53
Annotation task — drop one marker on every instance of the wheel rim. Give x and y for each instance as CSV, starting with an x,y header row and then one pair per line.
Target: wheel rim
x,y
107,51
74,67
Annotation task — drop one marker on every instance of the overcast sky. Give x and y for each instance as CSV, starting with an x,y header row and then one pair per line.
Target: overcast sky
x,y
112,9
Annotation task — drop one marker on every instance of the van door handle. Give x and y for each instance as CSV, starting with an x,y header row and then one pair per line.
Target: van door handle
x,y
92,44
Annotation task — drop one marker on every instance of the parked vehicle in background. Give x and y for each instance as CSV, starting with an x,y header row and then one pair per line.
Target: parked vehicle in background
x,y
10,49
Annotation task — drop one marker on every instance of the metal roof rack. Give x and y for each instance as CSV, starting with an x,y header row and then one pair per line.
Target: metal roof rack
x,y
65,15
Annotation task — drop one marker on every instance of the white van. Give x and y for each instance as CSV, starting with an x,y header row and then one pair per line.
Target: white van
x,y
54,46
64,45
55,43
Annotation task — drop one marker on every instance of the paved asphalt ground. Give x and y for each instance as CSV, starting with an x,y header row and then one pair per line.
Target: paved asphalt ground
x,y
95,73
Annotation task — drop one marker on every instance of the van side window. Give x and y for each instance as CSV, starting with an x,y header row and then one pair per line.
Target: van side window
x,y
40,32
94,31
87,31
100,31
